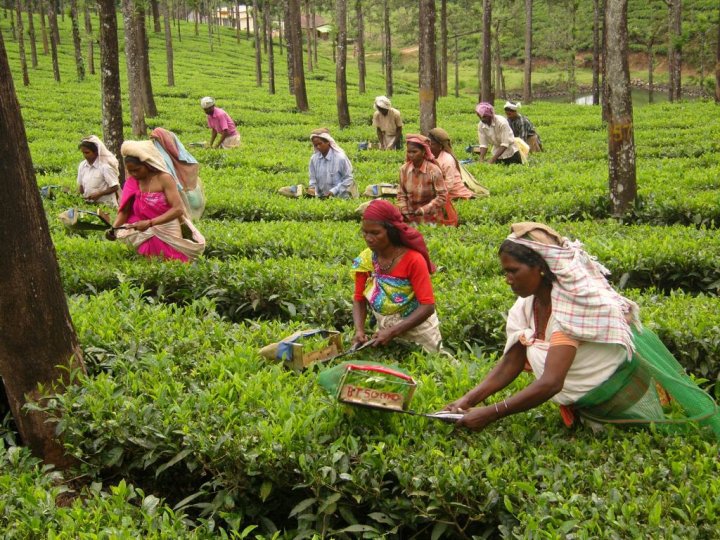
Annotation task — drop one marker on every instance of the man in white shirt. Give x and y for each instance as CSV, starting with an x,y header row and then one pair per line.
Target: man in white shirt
x,y
97,180
496,131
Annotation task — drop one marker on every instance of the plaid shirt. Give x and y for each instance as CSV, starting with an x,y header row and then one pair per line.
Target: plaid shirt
x,y
584,304
422,188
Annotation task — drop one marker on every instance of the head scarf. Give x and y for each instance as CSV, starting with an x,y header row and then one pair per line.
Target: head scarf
x,y
584,304
382,102
422,141
181,164
207,102
146,152
386,212
509,105
324,134
440,136
103,154
484,109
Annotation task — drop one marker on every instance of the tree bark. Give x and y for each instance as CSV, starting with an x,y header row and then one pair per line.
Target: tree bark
x,y
717,62
499,79
340,67
527,77
596,54
427,70
309,32
247,22
156,16
39,345
621,143
281,32
314,35
604,92
210,27
133,62
572,53
288,58
90,39
675,48
388,50
443,49
54,31
237,21
168,43
457,69
298,79
21,43
43,28
54,40
362,73
258,50
144,51
486,80
77,44
267,16
112,119
31,35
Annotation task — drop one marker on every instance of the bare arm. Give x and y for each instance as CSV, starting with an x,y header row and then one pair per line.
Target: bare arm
x,y
213,134
417,317
380,138
499,151
359,313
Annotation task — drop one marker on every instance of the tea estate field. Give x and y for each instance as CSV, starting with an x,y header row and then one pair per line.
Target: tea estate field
x,y
183,431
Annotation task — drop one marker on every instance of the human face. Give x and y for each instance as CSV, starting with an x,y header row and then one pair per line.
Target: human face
x,y
375,235
384,112
140,172
435,148
510,113
90,156
487,119
524,280
209,110
414,153
321,145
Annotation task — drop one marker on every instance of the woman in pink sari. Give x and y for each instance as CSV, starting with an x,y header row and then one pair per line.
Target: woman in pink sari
x,y
151,209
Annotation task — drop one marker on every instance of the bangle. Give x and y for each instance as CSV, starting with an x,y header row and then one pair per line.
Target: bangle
x,y
506,405
496,409
151,222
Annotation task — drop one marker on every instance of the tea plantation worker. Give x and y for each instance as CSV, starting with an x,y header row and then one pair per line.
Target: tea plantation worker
x,y
331,174
98,176
582,340
422,195
388,124
522,127
151,207
392,279
221,124
441,147
495,130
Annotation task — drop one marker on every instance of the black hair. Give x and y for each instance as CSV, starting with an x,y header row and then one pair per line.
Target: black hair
x,y
89,145
393,234
527,256
133,159
418,145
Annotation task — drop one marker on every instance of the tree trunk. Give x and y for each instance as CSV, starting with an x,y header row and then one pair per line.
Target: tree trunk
x,y
486,82
77,44
168,43
156,16
89,38
264,27
651,70
144,52
340,67
237,21
289,59
112,119
177,23
315,36
43,28
457,69
309,32
360,46
675,48
527,77
197,20
621,144
54,40
39,347
298,79
258,51
717,62
31,35
210,28
427,70
596,54
572,83
604,92
54,31
499,79
388,51
443,49
267,16
281,33
21,43
247,22
133,62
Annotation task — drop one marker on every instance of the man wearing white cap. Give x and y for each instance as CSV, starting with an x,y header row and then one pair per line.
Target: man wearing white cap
x,y
388,123
522,127
221,124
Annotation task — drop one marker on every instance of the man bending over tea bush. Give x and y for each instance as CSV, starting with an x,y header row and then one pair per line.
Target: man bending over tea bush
x,y
221,124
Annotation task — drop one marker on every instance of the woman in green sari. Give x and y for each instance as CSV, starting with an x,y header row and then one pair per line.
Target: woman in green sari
x,y
584,343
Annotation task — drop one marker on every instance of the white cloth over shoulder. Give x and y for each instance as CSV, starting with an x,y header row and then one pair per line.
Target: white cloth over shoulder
x,y
170,233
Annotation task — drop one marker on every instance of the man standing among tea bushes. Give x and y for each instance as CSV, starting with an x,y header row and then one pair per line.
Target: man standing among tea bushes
x,y
388,124
221,124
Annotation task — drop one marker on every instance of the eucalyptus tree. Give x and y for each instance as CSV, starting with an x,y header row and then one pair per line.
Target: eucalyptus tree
x,y
21,43
54,39
169,56
387,50
486,77
360,44
43,28
268,21
298,74
597,9
89,38
77,44
133,61
341,65
527,62
39,349
427,67
309,28
155,8
675,48
258,50
717,61
31,35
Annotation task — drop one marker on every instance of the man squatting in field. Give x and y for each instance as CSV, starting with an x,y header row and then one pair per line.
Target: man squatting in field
x,y
221,124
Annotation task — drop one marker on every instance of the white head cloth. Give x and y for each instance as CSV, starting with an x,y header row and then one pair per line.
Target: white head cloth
x,y
103,154
512,106
146,152
324,134
382,102
584,304
207,102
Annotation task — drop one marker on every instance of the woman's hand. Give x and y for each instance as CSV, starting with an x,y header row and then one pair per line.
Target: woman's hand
x,y
142,225
383,337
359,338
460,405
419,212
478,418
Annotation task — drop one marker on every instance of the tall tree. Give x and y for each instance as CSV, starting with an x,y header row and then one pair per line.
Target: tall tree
x,y
31,35
133,61
527,77
21,43
89,38
267,16
43,28
298,79
54,39
621,142
155,15
572,52
168,43
387,50
486,79
596,53
717,62
287,36
340,68
39,346
143,50
237,21
77,44
675,48
360,46
499,79
112,119
443,68
427,70
309,30
258,50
